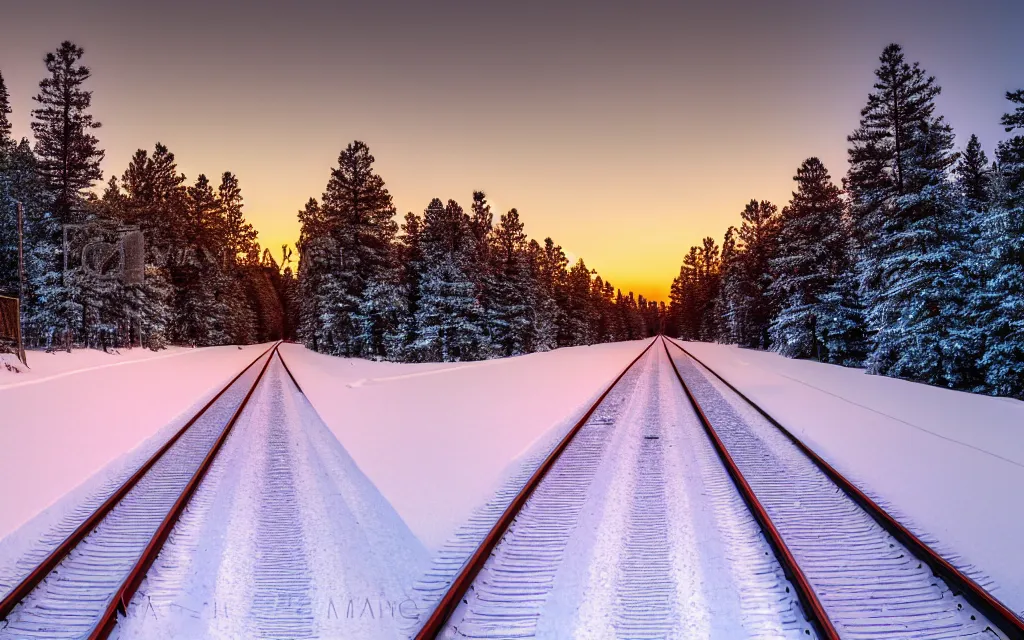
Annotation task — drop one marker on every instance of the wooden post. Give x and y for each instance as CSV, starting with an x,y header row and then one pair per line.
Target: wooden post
x,y
21,280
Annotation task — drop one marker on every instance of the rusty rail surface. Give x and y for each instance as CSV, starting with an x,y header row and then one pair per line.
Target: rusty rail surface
x,y
435,623
812,606
44,568
1009,623
289,371
122,598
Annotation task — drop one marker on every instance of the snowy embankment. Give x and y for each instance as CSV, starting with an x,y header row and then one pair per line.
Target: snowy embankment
x,y
72,415
437,440
948,464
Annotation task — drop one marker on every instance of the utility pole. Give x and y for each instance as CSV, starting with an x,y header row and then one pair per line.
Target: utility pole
x,y
21,281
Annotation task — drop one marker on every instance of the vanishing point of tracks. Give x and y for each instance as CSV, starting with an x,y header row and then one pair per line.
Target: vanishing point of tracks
x,y
855,570
78,589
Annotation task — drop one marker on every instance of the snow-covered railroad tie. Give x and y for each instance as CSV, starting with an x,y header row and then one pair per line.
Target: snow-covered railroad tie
x,y
78,587
859,571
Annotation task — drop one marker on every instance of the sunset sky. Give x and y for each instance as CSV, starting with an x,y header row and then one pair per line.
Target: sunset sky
x,y
624,131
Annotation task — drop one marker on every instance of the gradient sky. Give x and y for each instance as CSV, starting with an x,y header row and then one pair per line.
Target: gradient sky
x,y
625,131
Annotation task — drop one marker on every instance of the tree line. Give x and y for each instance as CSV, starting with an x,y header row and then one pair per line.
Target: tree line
x,y
206,280
913,269
447,285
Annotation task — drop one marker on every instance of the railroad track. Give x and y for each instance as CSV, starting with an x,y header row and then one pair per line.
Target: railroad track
x,y
858,570
80,587
855,571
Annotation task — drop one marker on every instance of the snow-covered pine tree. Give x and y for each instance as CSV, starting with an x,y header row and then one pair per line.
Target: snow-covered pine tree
x,y
580,312
509,289
723,310
237,238
1003,317
68,161
155,199
911,237
545,308
481,221
694,293
315,252
607,318
749,303
410,259
8,205
554,270
358,213
814,250
6,141
973,190
200,315
449,316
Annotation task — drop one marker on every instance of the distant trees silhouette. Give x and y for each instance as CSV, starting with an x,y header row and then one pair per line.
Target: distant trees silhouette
x,y
451,285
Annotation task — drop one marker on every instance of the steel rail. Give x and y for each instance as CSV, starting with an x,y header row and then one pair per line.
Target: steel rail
x,y
123,596
289,372
813,608
450,601
44,568
1009,623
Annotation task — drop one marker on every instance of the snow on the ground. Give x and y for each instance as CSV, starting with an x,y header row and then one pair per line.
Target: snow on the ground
x,y
636,531
437,440
284,538
75,414
949,465
44,366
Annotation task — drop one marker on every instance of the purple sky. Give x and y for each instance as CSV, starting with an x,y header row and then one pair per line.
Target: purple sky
x,y
626,132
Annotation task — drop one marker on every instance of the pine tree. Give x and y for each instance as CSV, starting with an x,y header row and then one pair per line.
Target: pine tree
x,y
695,291
482,223
68,161
554,278
202,314
545,308
973,186
237,238
6,141
410,256
724,310
69,155
580,314
8,204
1002,307
911,240
813,253
317,287
508,302
240,236
748,305
357,211
449,316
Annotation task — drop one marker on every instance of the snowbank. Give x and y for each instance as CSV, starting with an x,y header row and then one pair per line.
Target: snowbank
x,y
73,414
949,464
437,440
47,366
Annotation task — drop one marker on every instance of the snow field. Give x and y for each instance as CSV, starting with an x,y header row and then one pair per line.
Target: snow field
x,y
439,443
